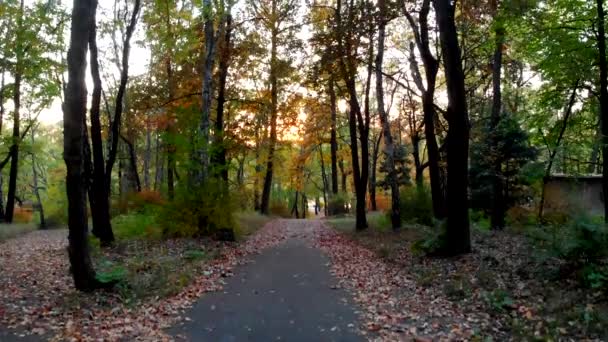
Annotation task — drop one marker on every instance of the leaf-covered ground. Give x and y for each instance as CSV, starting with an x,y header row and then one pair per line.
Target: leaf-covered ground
x,y
36,294
500,291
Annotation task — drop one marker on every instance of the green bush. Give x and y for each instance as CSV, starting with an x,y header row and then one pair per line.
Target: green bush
x,y
433,240
481,220
583,244
135,225
279,208
337,204
198,212
416,205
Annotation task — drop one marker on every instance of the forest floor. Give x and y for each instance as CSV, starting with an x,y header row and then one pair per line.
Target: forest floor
x,y
506,289
370,284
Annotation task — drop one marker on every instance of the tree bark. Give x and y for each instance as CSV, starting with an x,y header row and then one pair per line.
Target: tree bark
x,y
169,145
431,67
122,87
273,113
333,135
356,124
74,113
99,195
323,177
202,171
14,149
389,147
458,234
219,157
497,219
2,217
601,45
35,186
372,174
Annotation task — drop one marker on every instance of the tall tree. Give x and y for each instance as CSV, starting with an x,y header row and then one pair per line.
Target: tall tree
x,y
431,67
601,45
74,113
14,150
99,195
457,234
389,147
348,41
276,17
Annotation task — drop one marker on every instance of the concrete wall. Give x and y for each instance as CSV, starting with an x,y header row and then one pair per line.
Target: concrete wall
x,y
568,194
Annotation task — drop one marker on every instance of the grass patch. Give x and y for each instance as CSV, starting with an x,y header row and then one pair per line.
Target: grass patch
x,y
9,231
249,222
136,225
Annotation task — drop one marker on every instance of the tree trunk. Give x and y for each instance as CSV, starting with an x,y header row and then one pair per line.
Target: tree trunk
x,y
323,177
273,113
202,171
132,173
601,45
170,147
458,234
553,153
333,139
304,205
122,87
372,175
294,209
35,187
498,198
147,154
99,195
2,217
14,149
431,66
389,147
219,160
343,176
74,113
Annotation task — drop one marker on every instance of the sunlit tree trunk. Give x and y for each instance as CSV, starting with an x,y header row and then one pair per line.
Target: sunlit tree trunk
x,y
431,67
273,78
74,113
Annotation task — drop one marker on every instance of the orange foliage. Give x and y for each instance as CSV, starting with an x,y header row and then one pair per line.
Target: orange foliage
x,y
149,197
22,215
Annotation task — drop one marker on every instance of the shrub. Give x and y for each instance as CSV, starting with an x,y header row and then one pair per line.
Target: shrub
x,y
480,219
198,212
136,225
416,205
337,204
521,216
279,208
583,244
433,240
21,215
